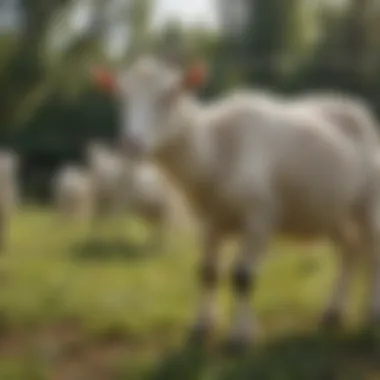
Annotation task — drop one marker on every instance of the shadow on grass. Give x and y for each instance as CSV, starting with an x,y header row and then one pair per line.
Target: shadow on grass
x,y
107,250
308,357
188,363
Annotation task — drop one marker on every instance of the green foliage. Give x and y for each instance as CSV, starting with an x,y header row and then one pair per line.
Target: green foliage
x,y
58,133
24,66
49,109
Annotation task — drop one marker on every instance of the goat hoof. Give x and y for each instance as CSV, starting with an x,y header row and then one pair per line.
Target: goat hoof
x,y
332,320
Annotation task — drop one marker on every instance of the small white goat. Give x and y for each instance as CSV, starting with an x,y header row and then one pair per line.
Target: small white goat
x,y
256,167
106,170
72,188
150,195
121,184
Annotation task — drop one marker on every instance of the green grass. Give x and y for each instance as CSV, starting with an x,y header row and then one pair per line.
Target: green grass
x,y
118,311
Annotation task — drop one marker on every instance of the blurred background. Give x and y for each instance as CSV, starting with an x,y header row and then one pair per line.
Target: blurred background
x,y
49,107
66,317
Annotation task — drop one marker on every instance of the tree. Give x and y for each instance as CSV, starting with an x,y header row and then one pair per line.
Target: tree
x,y
25,67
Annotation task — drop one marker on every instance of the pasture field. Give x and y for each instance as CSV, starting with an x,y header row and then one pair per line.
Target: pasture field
x,y
75,305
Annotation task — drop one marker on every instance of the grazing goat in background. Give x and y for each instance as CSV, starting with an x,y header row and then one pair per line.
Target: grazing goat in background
x,y
151,196
123,185
106,171
72,188
256,167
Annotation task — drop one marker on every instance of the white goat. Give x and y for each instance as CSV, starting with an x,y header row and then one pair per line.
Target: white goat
x,y
9,192
106,170
255,167
121,184
72,190
150,195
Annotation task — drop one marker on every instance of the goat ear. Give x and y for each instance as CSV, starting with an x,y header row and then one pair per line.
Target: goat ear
x,y
196,75
104,79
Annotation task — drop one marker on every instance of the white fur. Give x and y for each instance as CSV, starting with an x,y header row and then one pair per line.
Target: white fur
x,y
106,171
135,186
73,195
258,165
